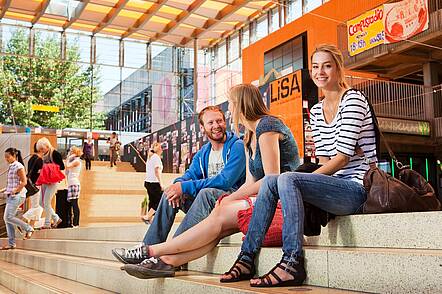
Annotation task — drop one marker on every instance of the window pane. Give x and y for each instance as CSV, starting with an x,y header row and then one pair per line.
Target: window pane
x,y
108,51
234,48
134,54
245,37
221,55
80,43
309,5
294,10
275,20
262,28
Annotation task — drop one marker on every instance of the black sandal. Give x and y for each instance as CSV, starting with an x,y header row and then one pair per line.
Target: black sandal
x,y
236,272
298,274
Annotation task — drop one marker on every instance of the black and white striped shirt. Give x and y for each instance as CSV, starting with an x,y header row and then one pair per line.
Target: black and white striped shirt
x,y
351,127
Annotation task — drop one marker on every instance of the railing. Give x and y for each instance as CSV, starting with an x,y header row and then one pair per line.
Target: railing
x,y
393,99
435,26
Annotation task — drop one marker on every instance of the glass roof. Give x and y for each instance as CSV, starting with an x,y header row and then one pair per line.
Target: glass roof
x,y
170,21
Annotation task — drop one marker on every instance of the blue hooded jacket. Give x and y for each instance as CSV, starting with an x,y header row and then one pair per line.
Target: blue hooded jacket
x,y
232,176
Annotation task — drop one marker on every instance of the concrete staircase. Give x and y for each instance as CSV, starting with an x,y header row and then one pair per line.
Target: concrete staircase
x,y
389,253
400,253
112,195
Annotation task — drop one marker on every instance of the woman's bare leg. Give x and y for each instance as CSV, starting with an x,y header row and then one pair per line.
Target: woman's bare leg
x,y
222,219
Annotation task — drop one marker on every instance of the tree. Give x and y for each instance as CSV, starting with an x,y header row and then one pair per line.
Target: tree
x,y
46,79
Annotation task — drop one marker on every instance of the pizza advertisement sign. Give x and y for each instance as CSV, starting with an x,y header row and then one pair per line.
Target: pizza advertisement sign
x,y
366,31
388,23
405,19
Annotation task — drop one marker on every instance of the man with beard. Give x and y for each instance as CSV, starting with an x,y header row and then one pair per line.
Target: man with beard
x,y
218,168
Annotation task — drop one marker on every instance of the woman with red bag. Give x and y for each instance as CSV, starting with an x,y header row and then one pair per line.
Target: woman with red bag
x,y
49,178
270,149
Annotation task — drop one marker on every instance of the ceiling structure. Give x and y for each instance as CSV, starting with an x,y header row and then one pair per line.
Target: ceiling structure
x,y
176,22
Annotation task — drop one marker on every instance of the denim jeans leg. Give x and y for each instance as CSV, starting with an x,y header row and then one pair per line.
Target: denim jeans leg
x,y
162,223
332,194
12,204
48,192
201,207
263,212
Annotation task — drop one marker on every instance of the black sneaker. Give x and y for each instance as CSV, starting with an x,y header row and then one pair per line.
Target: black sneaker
x,y
150,268
134,255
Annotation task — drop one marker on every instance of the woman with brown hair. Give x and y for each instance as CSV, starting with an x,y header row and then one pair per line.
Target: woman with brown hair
x,y
270,149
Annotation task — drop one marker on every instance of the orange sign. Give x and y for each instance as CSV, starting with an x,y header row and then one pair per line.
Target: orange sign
x,y
286,102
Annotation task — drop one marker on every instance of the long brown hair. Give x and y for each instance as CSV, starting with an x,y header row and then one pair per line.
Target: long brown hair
x,y
336,54
248,105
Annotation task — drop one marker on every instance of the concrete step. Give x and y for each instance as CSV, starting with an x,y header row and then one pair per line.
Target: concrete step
x,y
376,270
402,230
107,275
122,233
336,267
22,280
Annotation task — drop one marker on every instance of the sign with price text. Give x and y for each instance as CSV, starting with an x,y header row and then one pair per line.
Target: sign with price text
x,y
366,31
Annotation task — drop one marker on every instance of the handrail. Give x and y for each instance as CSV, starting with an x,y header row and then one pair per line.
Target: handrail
x,y
137,152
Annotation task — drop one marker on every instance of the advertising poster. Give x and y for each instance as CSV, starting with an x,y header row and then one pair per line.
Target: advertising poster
x,y
405,19
366,31
286,101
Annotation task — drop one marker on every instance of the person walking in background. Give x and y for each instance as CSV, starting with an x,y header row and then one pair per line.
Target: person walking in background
x,y
15,196
112,141
35,165
88,152
49,178
152,183
73,169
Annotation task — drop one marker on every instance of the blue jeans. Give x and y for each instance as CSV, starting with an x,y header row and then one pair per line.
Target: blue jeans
x,y
332,194
12,204
196,210
47,193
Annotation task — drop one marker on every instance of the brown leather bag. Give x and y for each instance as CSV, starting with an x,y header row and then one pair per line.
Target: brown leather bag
x,y
409,193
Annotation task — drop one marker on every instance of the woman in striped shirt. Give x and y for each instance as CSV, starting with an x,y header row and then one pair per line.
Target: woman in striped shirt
x,y
343,133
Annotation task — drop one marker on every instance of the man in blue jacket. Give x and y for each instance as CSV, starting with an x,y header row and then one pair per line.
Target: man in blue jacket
x,y
218,168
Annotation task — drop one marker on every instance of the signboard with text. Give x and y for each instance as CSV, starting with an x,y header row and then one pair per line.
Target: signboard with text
x,y
286,101
366,31
388,23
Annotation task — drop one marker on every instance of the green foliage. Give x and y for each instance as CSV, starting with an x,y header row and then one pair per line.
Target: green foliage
x,y
47,80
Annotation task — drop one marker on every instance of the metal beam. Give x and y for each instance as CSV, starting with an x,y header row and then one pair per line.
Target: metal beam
x,y
5,6
43,6
78,11
225,12
173,25
251,17
110,16
144,18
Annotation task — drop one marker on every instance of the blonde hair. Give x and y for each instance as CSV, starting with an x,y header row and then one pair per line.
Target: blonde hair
x,y
248,106
44,142
76,151
337,58
156,147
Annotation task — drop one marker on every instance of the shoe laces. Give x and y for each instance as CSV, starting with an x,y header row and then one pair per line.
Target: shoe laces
x,y
134,252
150,260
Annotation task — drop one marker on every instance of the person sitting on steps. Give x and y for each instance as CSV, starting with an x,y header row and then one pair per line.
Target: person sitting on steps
x,y
218,168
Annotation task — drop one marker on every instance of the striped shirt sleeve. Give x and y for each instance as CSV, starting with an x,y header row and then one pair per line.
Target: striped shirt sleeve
x,y
352,112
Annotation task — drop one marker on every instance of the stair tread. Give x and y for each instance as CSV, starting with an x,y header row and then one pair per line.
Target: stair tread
x,y
206,280
53,283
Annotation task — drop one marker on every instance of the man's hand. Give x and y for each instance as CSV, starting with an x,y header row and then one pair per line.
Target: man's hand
x,y
173,194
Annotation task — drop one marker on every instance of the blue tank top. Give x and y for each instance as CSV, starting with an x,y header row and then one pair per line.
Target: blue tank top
x,y
288,149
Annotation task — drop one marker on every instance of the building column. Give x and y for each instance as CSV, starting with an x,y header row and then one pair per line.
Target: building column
x,y
195,74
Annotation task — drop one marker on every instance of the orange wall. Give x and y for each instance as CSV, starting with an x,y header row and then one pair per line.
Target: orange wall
x,y
319,30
